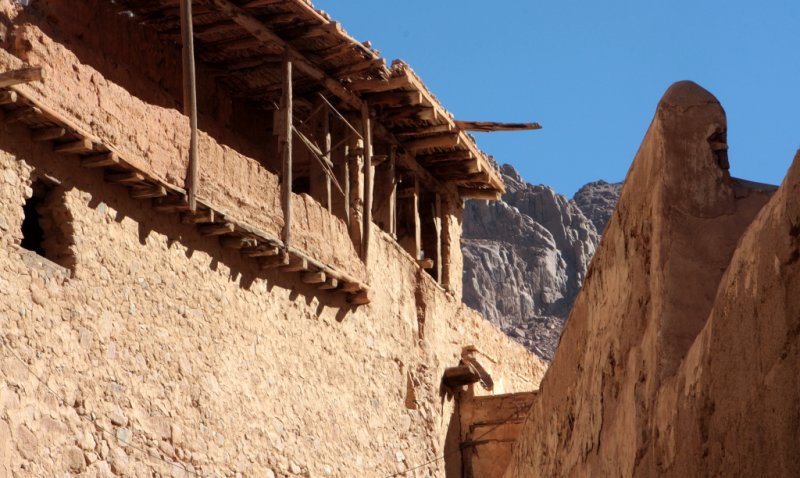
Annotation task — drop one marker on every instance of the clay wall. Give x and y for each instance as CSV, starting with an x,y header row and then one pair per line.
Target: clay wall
x,y
171,352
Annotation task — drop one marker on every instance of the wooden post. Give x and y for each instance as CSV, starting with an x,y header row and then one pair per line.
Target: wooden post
x,y
355,152
437,226
366,131
416,220
393,192
286,151
190,98
326,144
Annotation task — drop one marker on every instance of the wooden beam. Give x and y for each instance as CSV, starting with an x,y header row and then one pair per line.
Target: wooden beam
x,y
296,264
359,298
445,157
47,134
459,376
366,128
198,217
395,99
279,260
23,75
101,160
476,193
263,33
313,278
379,85
261,250
489,126
216,229
330,283
22,114
285,141
190,98
354,159
393,192
437,229
132,177
8,97
234,242
83,145
150,191
441,141
426,263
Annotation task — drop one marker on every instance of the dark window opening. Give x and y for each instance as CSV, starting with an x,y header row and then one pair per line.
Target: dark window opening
x,y
47,227
32,230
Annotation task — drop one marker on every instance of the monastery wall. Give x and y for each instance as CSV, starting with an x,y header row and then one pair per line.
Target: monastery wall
x,y
171,353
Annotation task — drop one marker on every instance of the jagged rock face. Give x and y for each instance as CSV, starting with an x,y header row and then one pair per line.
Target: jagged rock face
x,y
525,258
597,201
681,354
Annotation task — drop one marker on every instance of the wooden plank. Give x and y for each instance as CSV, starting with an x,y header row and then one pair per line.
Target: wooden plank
x,y
83,145
100,160
47,134
366,129
286,151
216,229
125,178
190,98
489,126
313,277
8,97
23,75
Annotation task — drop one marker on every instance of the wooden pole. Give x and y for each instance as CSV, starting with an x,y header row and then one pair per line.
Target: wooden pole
x,y
368,168
190,98
325,126
286,151
393,192
437,225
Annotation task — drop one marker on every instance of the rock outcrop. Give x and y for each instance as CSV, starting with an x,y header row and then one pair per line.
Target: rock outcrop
x,y
681,355
525,258
597,201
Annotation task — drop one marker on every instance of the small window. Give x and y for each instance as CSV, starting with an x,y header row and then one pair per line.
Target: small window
x,y
47,225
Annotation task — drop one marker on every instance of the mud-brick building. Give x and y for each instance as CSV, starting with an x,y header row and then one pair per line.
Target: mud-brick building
x,y
230,247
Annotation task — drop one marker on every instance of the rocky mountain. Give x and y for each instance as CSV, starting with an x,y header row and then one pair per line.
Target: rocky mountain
x,y
597,201
526,256
682,353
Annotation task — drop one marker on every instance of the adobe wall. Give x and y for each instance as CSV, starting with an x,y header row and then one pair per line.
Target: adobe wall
x,y
182,350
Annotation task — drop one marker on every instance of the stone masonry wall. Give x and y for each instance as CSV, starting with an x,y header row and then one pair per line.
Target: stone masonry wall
x,y
183,351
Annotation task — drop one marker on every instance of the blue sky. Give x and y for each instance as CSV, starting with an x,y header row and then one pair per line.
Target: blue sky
x,y
592,73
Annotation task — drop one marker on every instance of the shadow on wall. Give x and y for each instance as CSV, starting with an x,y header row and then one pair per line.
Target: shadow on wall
x,y
15,140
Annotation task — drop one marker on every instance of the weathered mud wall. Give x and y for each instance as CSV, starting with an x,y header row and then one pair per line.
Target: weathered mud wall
x,y
182,351
156,137
680,357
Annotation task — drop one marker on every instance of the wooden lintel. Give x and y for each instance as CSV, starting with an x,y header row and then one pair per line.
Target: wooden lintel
x,y
23,75
477,193
131,177
100,160
489,126
216,229
313,277
459,376
83,145
47,134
